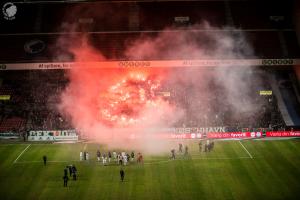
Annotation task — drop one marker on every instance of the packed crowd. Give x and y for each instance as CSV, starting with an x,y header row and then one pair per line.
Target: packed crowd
x,y
35,94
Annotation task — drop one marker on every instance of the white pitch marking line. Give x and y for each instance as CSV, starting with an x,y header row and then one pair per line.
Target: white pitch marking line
x,y
246,150
22,153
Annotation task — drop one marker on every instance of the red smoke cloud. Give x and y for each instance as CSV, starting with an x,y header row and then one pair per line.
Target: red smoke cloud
x,y
112,105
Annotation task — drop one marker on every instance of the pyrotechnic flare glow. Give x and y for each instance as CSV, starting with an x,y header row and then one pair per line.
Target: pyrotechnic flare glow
x,y
122,103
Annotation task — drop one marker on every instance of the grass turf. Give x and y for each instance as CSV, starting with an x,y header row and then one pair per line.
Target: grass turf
x,y
226,173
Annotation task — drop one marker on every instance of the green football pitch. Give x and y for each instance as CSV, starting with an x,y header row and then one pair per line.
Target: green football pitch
x,y
249,169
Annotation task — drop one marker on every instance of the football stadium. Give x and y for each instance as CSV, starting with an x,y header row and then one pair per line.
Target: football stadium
x,y
153,99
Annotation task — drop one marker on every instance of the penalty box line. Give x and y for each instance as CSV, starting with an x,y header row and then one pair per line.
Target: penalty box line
x,y
246,150
22,153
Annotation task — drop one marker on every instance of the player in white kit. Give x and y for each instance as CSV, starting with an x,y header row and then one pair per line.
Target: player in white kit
x,y
81,155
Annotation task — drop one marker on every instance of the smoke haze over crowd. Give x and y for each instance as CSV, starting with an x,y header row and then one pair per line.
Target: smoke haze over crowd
x,y
113,106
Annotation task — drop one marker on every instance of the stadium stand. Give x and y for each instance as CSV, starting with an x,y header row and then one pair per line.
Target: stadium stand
x,y
269,32
263,16
37,108
111,38
166,13
112,45
90,19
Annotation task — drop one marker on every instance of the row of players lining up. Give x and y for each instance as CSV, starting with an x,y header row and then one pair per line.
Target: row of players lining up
x,y
121,158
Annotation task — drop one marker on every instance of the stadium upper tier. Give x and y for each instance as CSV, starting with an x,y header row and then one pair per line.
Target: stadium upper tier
x,y
115,45
269,30
99,16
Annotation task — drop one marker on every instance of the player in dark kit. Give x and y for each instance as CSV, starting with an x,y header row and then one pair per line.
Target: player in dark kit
x,y
122,174
200,146
186,150
132,156
98,155
84,155
211,146
173,154
140,158
66,178
180,148
70,170
66,171
74,171
109,156
45,160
